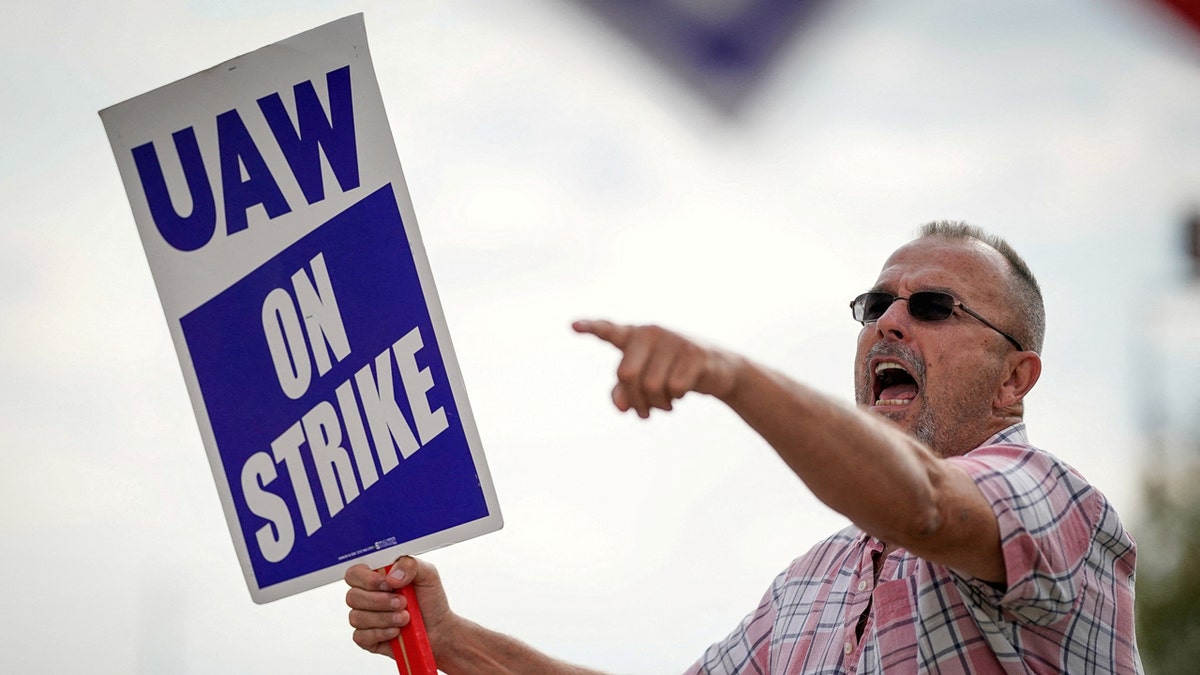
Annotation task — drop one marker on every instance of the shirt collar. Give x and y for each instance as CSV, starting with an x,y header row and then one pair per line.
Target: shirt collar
x,y
1014,435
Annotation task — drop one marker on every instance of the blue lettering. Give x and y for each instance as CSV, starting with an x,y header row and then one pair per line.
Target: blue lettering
x,y
246,179
237,151
302,144
186,233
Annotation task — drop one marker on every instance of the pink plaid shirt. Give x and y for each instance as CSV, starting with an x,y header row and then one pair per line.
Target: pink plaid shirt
x,y
1067,608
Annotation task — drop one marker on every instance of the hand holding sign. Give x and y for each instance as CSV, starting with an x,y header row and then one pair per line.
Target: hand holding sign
x,y
380,611
659,366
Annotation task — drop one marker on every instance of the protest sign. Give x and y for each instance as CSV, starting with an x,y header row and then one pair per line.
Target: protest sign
x,y
284,246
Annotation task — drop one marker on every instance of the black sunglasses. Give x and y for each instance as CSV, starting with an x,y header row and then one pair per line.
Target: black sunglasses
x,y
922,306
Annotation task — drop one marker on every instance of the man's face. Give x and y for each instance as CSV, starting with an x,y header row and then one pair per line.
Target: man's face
x,y
938,380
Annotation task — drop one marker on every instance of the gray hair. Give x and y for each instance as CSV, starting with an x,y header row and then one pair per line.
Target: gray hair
x,y
1023,289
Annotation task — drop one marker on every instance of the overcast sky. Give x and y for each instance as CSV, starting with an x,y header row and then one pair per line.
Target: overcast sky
x,y
558,173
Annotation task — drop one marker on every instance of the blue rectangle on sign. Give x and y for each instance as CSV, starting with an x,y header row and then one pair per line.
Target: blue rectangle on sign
x,y
329,402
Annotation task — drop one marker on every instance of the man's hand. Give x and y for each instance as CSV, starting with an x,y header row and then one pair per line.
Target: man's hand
x,y
378,612
659,366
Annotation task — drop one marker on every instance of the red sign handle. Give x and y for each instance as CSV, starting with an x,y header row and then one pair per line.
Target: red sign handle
x,y
411,648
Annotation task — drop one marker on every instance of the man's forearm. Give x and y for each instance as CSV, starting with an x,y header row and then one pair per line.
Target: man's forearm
x,y
885,481
472,649
875,475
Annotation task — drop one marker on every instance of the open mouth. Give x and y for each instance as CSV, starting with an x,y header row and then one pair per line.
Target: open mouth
x,y
894,385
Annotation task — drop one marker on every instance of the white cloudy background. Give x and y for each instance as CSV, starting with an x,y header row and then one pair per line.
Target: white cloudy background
x,y
559,173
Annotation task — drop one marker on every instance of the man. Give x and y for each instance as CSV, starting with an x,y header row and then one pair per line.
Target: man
x,y
970,550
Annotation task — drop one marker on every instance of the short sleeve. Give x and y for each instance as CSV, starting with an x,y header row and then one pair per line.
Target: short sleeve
x,y
1048,516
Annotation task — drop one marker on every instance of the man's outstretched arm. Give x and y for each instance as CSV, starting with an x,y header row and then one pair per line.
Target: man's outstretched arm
x,y
888,483
378,612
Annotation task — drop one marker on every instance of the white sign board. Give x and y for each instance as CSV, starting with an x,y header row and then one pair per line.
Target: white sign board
x,y
282,239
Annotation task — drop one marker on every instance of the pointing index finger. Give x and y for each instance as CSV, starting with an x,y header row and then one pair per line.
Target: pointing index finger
x,y
614,334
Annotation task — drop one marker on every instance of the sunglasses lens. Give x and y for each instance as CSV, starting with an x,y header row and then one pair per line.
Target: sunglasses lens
x,y
931,306
869,307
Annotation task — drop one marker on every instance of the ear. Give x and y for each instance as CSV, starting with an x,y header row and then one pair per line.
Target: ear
x,y
1023,370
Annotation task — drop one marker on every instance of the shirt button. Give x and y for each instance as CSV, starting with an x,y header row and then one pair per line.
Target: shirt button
x,y
862,585
848,648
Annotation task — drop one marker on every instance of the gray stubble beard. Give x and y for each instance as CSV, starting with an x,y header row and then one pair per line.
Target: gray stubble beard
x,y
925,427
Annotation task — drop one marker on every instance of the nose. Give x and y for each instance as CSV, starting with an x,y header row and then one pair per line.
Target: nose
x,y
895,320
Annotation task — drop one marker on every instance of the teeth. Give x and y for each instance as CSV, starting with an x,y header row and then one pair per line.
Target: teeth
x,y
887,365
879,369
